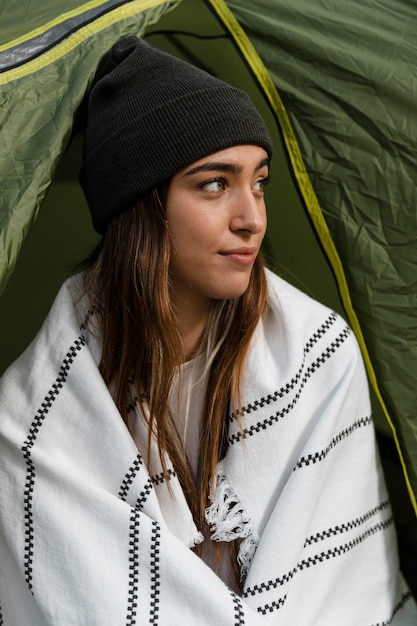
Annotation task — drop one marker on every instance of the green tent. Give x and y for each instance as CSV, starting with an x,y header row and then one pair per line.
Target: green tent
x,y
336,83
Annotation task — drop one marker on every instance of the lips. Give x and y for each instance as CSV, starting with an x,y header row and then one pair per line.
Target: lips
x,y
243,256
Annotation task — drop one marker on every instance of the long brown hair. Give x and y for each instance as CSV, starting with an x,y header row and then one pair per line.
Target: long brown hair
x,y
129,277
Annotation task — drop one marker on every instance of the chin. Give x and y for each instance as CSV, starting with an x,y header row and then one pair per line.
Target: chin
x,y
232,292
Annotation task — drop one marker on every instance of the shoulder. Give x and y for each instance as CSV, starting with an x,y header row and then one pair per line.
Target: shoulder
x,y
284,297
298,324
305,361
50,355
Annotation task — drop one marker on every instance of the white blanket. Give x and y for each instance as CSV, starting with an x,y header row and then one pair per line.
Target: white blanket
x,y
89,538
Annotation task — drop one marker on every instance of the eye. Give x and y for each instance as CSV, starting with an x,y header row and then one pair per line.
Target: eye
x,y
261,184
215,184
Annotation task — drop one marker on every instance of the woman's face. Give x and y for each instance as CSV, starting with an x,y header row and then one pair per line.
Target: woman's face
x,y
217,219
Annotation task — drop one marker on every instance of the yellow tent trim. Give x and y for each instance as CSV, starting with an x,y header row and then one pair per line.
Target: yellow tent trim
x,y
77,38
258,68
58,20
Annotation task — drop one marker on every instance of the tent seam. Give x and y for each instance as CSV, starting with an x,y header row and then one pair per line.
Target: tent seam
x,y
64,17
82,34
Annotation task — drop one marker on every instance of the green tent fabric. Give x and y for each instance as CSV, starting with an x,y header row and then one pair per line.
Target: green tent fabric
x,y
346,75
340,78
45,75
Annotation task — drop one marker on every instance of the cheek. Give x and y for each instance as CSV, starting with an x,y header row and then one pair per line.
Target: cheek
x,y
186,243
192,229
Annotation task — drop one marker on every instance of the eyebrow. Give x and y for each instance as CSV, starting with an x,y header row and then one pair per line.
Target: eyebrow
x,y
216,166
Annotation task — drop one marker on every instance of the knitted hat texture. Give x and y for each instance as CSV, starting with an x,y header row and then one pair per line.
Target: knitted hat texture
x,y
149,116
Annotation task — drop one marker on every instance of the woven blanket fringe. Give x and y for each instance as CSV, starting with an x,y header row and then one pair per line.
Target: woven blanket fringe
x,y
228,520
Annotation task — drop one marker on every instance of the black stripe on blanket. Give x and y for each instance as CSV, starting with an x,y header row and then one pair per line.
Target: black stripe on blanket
x,y
132,603
155,576
158,479
34,429
346,527
259,404
273,419
1,616
320,332
132,596
317,559
129,478
239,615
144,495
311,459
238,608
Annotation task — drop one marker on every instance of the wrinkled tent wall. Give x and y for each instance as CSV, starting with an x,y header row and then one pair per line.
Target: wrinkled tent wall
x,y
346,74
48,77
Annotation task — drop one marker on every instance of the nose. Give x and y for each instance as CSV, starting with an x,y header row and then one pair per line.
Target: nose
x,y
248,212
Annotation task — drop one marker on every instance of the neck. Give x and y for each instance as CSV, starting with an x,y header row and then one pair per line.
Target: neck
x,y
191,319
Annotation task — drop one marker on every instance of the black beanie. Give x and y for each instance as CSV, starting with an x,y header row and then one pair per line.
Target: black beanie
x,y
149,116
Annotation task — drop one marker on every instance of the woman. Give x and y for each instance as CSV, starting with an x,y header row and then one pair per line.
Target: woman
x,y
188,440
